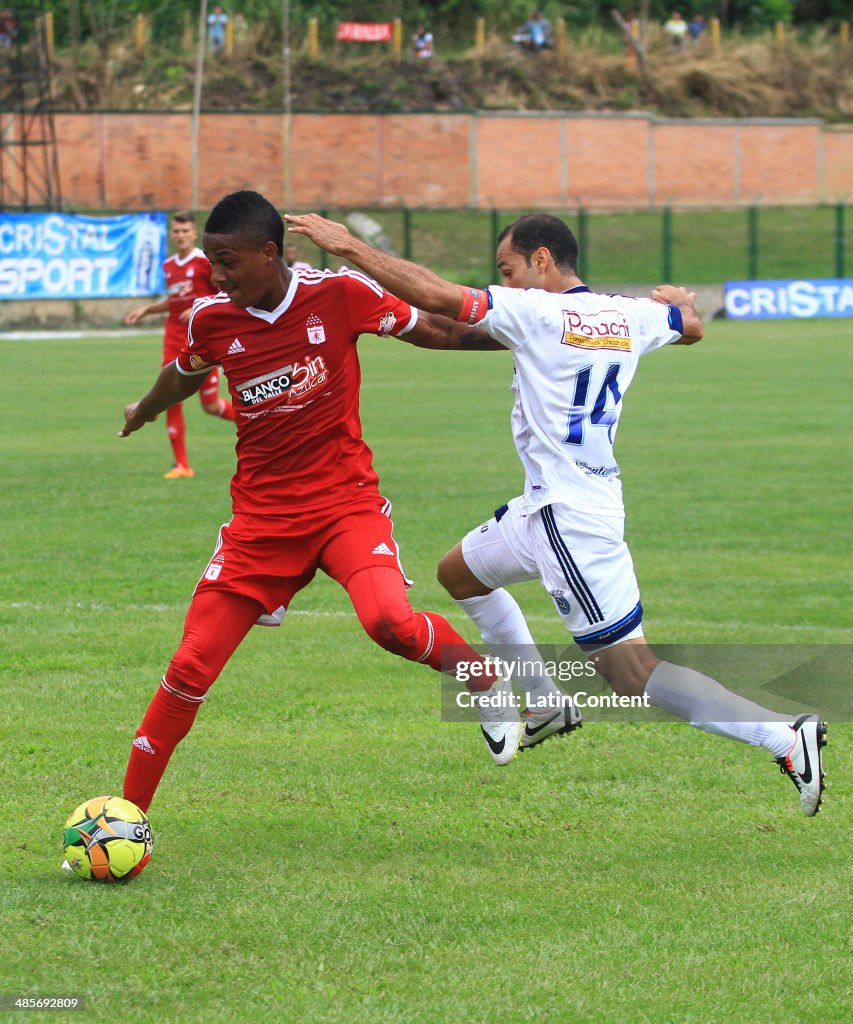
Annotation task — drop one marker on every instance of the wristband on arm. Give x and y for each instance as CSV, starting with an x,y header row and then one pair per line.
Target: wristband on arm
x,y
475,305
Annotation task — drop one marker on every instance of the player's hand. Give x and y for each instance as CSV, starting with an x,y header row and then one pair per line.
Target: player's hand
x,y
328,234
135,315
132,420
670,295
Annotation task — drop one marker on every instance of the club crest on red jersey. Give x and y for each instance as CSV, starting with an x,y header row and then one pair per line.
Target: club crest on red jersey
x,y
386,324
316,330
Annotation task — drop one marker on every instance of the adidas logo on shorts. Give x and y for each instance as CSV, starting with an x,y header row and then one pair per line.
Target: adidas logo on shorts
x,y
382,549
235,348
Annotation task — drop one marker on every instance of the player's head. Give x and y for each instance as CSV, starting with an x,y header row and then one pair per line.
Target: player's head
x,y
533,247
183,231
244,240
291,253
248,215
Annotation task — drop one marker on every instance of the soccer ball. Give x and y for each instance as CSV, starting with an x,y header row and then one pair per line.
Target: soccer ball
x,y
107,839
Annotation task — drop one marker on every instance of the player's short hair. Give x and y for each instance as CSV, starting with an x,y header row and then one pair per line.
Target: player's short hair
x,y
535,230
184,217
249,215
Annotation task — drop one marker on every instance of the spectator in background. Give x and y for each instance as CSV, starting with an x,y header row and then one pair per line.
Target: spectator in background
x,y
696,27
8,28
538,32
422,43
676,29
216,22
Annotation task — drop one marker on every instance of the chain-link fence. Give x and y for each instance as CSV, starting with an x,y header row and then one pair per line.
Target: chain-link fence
x,y
664,244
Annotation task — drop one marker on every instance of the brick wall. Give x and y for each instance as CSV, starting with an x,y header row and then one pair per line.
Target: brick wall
x,y
139,160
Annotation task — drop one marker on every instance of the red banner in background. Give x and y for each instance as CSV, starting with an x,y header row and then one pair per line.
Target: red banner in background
x,y
364,31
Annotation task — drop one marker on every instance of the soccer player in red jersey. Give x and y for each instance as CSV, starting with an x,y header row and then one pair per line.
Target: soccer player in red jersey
x,y
187,279
305,493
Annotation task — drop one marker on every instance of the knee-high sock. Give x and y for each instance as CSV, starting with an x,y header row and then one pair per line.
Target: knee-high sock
x,y
502,625
168,719
216,623
382,605
709,706
177,431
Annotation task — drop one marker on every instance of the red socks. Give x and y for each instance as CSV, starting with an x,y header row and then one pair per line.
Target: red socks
x,y
176,428
168,719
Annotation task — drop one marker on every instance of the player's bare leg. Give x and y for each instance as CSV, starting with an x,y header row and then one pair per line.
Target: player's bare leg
x,y
502,625
631,669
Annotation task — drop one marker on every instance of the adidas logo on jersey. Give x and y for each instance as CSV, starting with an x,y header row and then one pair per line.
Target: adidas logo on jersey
x,y
383,549
141,743
235,348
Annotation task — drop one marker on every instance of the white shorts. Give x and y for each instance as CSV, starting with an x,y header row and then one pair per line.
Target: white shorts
x,y
581,558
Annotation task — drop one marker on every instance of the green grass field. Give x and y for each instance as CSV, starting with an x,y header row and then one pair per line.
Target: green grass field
x,y
329,851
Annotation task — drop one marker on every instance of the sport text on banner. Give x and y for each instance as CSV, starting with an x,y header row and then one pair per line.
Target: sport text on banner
x,y
71,256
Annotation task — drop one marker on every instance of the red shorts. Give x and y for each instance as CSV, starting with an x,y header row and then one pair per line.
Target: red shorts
x,y
271,558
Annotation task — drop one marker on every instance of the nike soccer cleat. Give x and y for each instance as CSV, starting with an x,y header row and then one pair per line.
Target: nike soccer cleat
x,y
802,763
500,721
542,727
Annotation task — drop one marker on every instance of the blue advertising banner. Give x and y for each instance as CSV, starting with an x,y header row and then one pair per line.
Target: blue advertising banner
x,y
71,256
778,300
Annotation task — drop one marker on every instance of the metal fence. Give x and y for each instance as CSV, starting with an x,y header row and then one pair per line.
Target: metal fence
x,y
662,244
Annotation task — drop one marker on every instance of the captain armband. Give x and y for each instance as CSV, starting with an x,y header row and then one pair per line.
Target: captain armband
x,y
475,305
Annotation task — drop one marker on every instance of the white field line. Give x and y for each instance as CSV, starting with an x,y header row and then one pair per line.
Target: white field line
x,y
97,607
70,335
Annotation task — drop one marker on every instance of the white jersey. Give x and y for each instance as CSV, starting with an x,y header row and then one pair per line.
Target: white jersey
x,y
575,355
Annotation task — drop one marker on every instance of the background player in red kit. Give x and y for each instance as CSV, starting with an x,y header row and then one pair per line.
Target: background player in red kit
x,y
305,494
187,279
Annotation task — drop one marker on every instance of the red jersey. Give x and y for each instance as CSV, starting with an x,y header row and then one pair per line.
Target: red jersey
x,y
294,379
187,279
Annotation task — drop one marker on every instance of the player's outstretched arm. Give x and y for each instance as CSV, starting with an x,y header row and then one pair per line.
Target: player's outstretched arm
x,y
416,285
670,295
135,315
170,388
439,332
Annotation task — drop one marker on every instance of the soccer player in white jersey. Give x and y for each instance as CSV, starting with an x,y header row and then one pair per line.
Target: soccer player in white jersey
x,y
575,354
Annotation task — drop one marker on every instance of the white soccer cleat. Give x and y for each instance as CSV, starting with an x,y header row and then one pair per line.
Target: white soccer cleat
x,y
500,721
802,763
538,728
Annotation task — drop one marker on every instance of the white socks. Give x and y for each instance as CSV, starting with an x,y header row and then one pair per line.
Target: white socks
x,y
502,624
708,705
678,690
